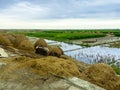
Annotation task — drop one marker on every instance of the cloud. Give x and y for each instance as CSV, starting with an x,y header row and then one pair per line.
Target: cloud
x,y
25,10
62,24
60,14
58,9
84,8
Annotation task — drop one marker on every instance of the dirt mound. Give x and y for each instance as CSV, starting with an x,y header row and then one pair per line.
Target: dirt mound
x,y
26,45
41,43
102,75
18,39
22,42
11,37
55,51
53,65
60,49
42,67
4,40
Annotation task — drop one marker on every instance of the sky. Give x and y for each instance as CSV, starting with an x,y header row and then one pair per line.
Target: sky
x,y
59,14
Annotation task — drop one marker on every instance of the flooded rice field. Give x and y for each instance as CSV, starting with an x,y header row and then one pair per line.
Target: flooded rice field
x,y
94,54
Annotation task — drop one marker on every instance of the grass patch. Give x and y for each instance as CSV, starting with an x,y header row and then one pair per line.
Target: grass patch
x,y
117,34
116,69
64,35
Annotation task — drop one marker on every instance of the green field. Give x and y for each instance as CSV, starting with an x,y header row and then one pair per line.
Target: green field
x,y
67,35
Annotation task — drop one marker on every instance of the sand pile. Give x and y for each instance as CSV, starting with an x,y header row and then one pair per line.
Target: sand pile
x,y
102,75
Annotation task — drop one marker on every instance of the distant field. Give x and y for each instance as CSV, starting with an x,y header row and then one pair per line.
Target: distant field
x,y
66,35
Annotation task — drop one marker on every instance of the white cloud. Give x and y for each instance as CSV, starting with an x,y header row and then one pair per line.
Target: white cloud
x,y
30,15
24,10
62,24
100,2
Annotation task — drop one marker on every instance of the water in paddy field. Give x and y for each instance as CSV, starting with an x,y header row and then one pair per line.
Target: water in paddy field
x,y
90,54
96,54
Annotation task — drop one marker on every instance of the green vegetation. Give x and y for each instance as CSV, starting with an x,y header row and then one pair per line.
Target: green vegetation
x,y
64,35
114,32
117,34
116,68
69,35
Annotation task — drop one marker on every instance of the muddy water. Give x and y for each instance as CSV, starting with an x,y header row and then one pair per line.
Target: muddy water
x,y
90,54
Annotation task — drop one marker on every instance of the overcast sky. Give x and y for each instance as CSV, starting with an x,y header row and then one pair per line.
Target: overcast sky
x,y
61,14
